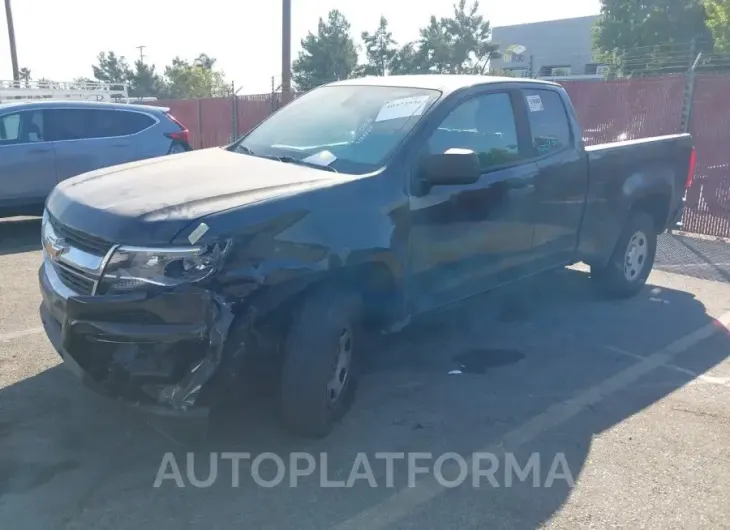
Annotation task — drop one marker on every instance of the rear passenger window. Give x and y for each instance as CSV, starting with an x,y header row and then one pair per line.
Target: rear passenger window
x,y
548,121
108,123
485,125
80,124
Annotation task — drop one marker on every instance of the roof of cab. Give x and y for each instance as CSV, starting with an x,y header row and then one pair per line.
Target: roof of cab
x,y
61,104
441,82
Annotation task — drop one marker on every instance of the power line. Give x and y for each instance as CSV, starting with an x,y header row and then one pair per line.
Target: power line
x,y
141,53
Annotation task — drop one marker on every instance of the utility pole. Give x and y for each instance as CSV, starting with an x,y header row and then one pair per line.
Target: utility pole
x,y
285,50
141,53
11,36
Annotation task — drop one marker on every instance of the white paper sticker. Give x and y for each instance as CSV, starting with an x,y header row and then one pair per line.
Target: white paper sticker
x,y
403,108
535,103
323,158
196,234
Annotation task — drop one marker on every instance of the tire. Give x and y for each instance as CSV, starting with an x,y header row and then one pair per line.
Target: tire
x,y
632,260
326,327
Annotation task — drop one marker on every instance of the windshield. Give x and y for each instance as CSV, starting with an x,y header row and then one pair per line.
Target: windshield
x,y
350,129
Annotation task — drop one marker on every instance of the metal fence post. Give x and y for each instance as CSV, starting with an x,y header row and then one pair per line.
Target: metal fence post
x,y
200,123
689,88
234,112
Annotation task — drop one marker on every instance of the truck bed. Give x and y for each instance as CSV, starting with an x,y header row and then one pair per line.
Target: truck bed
x,y
651,172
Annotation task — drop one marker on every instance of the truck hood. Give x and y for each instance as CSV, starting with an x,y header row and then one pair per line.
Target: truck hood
x,y
149,202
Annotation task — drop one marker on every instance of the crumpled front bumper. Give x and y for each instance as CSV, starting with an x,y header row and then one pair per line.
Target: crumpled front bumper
x,y
160,353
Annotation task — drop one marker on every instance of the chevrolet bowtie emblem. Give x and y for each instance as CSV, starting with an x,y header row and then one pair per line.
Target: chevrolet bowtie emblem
x,y
55,247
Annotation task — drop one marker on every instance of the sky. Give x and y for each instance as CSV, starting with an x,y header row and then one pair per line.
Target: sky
x,y
60,40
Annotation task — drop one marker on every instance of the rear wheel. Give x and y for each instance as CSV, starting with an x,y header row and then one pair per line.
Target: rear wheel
x,y
632,260
321,366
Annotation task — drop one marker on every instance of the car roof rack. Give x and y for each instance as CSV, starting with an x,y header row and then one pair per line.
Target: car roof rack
x,y
12,91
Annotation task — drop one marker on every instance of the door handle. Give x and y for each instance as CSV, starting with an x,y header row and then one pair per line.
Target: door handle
x,y
33,151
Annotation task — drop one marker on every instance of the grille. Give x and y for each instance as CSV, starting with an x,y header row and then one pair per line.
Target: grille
x,y
74,280
85,242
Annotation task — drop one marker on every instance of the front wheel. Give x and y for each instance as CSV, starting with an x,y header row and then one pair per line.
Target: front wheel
x,y
321,366
632,260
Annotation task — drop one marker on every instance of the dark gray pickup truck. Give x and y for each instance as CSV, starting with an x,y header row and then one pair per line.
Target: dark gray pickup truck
x,y
358,206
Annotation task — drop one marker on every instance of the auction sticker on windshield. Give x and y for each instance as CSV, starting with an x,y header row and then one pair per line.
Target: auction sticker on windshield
x,y
403,108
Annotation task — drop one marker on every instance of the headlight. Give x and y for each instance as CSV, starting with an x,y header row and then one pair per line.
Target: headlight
x,y
133,267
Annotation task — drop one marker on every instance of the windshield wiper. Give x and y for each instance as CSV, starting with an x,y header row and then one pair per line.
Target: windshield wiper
x,y
292,160
240,148
285,158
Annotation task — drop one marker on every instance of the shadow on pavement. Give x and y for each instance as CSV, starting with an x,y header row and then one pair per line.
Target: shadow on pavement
x,y
20,234
706,259
87,465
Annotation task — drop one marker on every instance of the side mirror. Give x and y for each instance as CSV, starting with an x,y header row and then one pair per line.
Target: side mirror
x,y
455,166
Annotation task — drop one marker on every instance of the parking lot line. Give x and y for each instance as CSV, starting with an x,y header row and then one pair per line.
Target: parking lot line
x,y
405,501
722,381
7,337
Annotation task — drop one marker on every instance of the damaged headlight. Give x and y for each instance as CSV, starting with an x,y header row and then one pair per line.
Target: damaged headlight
x,y
134,267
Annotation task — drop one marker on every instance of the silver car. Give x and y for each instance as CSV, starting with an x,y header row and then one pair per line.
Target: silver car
x,y
43,143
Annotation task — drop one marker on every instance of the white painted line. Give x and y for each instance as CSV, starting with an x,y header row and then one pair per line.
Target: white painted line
x,y
722,381
402,503
7,337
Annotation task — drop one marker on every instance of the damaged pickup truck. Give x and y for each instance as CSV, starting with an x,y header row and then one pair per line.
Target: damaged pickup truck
x,y
359,205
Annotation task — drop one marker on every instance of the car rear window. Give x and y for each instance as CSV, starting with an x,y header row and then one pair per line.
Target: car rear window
x,y
78,124
548,121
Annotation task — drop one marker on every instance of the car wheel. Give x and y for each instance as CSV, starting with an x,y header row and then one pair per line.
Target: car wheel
x,y
632,259
321,366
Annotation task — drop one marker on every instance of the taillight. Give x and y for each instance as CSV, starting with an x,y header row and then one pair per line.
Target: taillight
x,y
182,136
692,165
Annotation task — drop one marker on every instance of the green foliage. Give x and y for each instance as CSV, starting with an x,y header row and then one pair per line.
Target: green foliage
x,y
380,51
181,79
718,20
25,75
327,56
145,82
459,44
111,68
652,36
196,80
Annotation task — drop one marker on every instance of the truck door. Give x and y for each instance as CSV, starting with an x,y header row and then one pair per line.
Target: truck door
x,y
562,181
27,163
468,238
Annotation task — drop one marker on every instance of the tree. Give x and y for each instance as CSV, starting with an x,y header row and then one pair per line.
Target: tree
x,y
718,20
327,56
380,50
471,39
186,80
111,68
205,61
652,36
460,44
145,82
25,76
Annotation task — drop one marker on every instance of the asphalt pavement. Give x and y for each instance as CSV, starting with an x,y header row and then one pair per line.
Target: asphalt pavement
x,y
625,403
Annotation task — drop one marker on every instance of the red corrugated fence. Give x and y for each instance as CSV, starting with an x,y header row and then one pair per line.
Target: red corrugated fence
x,y
608,111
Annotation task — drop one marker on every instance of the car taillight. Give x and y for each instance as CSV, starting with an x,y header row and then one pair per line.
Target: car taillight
x,y
692,166
182,136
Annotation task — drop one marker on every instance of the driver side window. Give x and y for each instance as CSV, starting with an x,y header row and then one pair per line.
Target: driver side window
x,y
484,124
